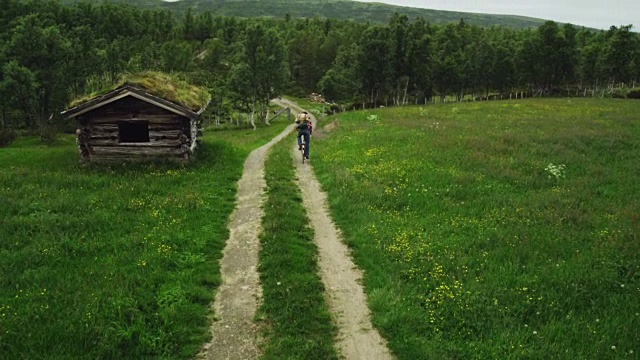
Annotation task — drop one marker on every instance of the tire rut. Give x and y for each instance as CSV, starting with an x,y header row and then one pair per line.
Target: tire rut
x,y
357,338
235,335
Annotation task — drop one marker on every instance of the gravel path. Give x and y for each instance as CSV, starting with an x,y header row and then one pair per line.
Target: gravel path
x,y
357,338
235,335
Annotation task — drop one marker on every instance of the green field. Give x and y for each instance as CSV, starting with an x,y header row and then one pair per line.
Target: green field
x,y
500,230
113,262
494,230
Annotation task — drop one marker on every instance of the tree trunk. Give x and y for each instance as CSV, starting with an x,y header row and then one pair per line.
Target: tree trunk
x,y
396,99
252,119
406,89
266,118
253,113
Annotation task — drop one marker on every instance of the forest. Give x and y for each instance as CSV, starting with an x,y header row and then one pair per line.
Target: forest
x,y
51,53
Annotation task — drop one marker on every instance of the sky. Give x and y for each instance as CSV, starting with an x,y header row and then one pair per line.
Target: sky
x,y
598,14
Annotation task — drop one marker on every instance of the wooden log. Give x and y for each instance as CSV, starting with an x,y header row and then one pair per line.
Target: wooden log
x,y
157,119
120,159
103,142
103,128
166,134
152,143
101,136
130,107
163,126
136,151
115,140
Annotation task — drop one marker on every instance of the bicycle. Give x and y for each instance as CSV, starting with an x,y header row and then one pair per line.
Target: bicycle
x,y
303,145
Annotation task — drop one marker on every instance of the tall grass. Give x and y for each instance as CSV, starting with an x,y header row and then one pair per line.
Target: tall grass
x,y
297,321
113,261
503,230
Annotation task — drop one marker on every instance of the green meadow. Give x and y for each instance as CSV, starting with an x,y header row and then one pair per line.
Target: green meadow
x,y
494,230
114,262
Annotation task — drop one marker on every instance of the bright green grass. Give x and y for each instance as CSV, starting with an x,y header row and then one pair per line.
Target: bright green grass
x,y
113,262
295,314
471,248
314,108
244,138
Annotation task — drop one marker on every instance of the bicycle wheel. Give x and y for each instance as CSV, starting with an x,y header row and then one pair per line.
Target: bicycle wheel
x,y
304,145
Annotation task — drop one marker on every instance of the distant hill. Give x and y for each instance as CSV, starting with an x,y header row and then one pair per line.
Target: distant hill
x,y
334,9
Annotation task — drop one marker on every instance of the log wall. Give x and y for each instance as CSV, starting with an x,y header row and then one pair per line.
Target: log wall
x,y
170,135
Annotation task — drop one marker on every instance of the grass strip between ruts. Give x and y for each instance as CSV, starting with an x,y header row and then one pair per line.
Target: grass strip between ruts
x,y
298,323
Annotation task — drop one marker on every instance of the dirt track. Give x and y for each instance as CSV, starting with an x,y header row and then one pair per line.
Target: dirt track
x,y
357,339
235,335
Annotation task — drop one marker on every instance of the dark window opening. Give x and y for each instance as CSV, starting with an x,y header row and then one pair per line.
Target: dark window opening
x,y
133,132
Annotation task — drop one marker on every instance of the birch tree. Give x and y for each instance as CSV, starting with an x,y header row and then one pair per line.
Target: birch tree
x,y
375,65
261,70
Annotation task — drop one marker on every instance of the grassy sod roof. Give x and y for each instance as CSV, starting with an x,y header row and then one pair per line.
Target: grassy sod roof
x,y
162,85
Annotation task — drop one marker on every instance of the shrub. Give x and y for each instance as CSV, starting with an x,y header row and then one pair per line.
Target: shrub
x,y
634,93
620,93
6,137
48,133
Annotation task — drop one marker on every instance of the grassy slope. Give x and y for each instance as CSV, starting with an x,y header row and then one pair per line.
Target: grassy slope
x,y
113,261
341,10
472,247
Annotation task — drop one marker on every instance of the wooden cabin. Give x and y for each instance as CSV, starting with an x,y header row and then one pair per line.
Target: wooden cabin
x,y
131,124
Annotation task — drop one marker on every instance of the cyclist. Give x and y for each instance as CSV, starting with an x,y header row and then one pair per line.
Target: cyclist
x,y
302,116
298,119
304,130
